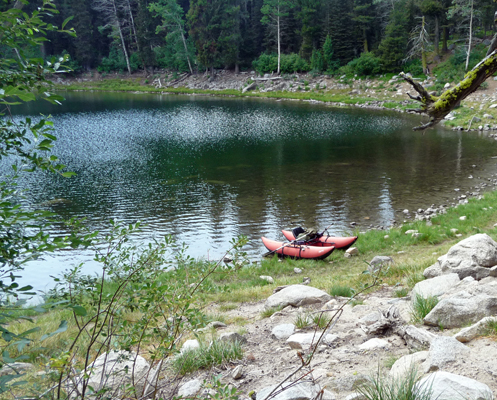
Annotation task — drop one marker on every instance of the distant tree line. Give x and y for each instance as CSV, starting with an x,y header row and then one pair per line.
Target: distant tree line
x,y
281,36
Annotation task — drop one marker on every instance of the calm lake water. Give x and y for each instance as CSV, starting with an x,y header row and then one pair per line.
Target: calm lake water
x,y
207,169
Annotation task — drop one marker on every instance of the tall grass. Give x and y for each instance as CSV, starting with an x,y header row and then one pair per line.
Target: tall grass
x,y
421,306
379,387
216,353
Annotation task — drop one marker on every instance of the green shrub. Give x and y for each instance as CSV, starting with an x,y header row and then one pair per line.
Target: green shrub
x,y
366,64
414,67
290,63
317,61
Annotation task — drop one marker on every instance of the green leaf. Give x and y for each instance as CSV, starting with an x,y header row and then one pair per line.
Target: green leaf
x,y
68,174
62,328
79,310
66,21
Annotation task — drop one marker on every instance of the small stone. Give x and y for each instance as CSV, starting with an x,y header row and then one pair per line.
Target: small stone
x,y
386,237
411,231
352,251
454,230
406,211
267,278
463,218
297,270
237,372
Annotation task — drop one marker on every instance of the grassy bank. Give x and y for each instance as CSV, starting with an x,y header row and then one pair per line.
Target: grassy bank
x,y
145,315
338,96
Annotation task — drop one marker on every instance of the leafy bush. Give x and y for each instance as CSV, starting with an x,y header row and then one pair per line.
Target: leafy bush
x,y
290,63
366,64
114,62
453,69
317,61
414,67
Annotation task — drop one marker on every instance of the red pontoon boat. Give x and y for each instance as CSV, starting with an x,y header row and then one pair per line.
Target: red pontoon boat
x,y
298,250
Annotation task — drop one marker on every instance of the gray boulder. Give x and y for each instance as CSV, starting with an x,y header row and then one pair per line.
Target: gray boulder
x,y
404,365
300,391
416,338
444,350
190,388
473,256
114,372
436,286
461,309
469,333
305,340
297,295
15,368
446,386
283,331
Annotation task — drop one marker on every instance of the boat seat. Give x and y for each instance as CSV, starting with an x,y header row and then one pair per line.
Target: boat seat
x,y
297,231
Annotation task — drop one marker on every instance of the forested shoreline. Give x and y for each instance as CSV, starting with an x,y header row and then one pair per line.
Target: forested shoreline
x,y
281,36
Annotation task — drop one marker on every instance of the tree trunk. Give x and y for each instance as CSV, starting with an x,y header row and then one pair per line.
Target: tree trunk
x,y
279,41
366,47
444,39
186,47
437,36
470,36
133,25
122,37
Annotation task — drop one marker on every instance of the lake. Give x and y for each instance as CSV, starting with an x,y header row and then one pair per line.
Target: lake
x,y
207,169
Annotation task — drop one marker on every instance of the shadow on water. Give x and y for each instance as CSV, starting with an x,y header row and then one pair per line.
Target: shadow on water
x,y
208,169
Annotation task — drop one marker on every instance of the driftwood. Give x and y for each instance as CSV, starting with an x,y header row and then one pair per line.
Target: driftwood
x,y
267,79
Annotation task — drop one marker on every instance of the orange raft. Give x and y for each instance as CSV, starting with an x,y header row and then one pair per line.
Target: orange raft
x,y
342,243
298,250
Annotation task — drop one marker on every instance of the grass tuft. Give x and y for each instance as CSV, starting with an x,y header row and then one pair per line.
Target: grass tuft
x,y
342,291
422,306
266,313
302,320
215,354
382,388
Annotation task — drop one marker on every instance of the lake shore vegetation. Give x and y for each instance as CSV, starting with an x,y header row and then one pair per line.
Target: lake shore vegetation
x,y
146,302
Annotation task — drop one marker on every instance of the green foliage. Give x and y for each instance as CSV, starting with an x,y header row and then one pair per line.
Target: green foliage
x,y
366,64
379,387
217,353
267,312
317,61
453,69
413,67
422,306
320,320
331,64
342,291
114,62
290,63
401,292
393,46
302,320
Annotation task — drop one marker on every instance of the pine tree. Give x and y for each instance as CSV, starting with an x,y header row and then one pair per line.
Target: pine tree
x,y
342,30
330,63
309,15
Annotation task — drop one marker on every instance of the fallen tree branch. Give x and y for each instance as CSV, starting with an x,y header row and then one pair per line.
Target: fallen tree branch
x,y
438,107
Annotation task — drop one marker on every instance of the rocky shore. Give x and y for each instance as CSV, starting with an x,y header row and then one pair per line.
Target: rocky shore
x,y
372,337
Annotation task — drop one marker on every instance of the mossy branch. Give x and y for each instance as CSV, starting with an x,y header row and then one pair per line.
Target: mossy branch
x,y
438,107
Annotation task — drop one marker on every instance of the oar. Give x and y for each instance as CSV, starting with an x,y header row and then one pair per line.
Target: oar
x,y
279,248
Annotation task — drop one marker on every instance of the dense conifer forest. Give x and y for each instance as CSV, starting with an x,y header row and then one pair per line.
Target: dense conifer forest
x,y
280,36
